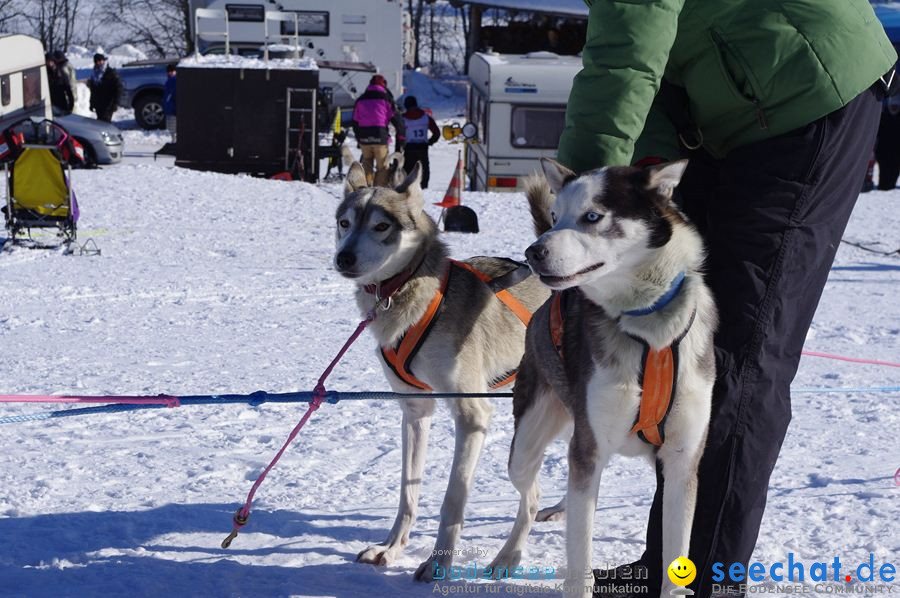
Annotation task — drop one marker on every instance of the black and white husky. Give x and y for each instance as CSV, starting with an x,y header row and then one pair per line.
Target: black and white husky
x,y
626,265
389,246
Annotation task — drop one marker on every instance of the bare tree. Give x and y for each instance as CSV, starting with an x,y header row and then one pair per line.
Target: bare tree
x,y
51,21
161,27
416,8
10,11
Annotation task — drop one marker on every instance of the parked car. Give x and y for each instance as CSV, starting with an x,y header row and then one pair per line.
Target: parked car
x,y
102,141
142,89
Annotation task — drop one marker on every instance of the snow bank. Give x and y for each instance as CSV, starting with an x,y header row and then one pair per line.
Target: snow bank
x,y
221,61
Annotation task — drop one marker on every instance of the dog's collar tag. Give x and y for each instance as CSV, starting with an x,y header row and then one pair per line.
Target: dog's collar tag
x,y
663,301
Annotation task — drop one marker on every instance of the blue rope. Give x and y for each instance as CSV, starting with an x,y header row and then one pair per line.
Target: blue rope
x,y
259,397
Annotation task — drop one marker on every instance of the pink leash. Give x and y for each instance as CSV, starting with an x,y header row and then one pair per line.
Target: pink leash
x,y
157,400
851,359
243,514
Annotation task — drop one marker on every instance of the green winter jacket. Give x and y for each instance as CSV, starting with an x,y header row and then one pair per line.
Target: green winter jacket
x,y
752,69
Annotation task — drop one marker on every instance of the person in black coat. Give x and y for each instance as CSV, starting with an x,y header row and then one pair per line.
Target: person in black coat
x,y
61,95
887,145
105,87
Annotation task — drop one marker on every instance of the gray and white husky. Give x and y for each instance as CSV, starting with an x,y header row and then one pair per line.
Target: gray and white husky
x,y
615,239
383,234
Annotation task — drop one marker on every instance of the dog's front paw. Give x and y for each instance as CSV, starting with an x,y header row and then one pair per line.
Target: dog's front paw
x,y
380,554
504,564
555,513
432,569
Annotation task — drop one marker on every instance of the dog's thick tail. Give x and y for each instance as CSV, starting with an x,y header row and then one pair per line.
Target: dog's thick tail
x,y
540,200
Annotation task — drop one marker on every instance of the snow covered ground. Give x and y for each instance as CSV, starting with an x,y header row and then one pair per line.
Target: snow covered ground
x,y
211,283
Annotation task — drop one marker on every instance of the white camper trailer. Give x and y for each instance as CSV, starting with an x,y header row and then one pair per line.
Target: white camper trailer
x,y
333,31
24,90
518,103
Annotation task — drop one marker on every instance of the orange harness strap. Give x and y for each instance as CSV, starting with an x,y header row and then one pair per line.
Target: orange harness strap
x,y
557,323
400,358
657,390
658,377
503,295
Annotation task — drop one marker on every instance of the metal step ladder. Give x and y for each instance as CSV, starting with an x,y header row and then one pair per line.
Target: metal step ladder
x,y
300,131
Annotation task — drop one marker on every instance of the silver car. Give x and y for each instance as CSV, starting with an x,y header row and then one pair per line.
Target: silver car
x,y
102,141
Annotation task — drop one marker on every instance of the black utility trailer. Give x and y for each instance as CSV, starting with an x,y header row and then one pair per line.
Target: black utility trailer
x,y
247,115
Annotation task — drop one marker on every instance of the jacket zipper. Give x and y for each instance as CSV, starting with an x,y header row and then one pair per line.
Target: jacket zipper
x,y
760,115
724,47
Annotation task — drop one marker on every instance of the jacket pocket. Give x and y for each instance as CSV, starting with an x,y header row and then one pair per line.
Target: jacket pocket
x,y
736,72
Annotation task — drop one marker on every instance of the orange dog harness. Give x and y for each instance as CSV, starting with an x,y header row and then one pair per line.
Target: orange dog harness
x,y
658,376
400,357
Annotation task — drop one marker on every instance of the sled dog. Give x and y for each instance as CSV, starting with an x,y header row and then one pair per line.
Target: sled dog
x,y
621,355
442,325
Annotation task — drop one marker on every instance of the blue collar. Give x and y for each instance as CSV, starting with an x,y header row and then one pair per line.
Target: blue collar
x,y
662,301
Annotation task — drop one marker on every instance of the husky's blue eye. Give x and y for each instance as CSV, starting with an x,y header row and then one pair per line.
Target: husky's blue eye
x,y
381,227
593,217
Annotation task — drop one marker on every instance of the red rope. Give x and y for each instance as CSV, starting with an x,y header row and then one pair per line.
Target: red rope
x,y
243,514
852,359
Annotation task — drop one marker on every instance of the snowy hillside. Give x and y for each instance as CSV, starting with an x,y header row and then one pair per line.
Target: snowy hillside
x,y
210,283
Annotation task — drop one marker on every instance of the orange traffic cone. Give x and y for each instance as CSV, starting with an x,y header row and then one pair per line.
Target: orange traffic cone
x,y
459,218
453,196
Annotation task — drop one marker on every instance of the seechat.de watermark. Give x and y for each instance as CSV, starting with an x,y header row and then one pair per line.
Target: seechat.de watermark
x,y
798,577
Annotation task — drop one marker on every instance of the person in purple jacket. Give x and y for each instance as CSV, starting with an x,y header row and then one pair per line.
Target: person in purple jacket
x,y
373,112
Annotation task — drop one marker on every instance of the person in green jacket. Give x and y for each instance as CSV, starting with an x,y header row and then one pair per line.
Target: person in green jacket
x,y
776,105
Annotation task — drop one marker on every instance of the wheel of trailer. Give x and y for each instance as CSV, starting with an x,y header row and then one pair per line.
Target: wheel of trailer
x,y
148,111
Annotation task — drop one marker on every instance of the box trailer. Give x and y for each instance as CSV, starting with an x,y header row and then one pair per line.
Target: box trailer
x,y
24,90
329,31
518,102
246,115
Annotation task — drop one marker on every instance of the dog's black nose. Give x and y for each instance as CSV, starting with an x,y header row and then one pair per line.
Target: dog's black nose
x,y
536,253
345,259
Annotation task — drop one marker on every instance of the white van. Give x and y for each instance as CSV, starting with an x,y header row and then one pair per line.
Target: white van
x,y
518,102
24,90
367,31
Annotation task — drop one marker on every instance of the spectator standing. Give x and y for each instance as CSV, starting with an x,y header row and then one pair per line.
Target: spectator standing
x,y
373,112
105,87
169,88
62,63
776,104
418,126
887,145
61,96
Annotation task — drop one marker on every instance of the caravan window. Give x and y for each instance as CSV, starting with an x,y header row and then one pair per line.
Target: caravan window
x,y
309,22
31,87
5,95
537,126
478,113
246,13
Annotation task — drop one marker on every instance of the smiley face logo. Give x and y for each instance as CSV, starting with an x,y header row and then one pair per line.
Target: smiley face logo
x,y
682,571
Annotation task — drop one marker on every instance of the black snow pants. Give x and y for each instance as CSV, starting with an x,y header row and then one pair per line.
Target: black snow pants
x,y
417,152
772,214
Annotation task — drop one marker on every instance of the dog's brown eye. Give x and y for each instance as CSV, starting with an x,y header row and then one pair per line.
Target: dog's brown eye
x,y
381,227
344,223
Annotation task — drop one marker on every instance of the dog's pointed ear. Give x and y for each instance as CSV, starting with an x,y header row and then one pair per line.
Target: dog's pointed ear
x,y
356,179
411,187
665,177
540,201
396,174
557,174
